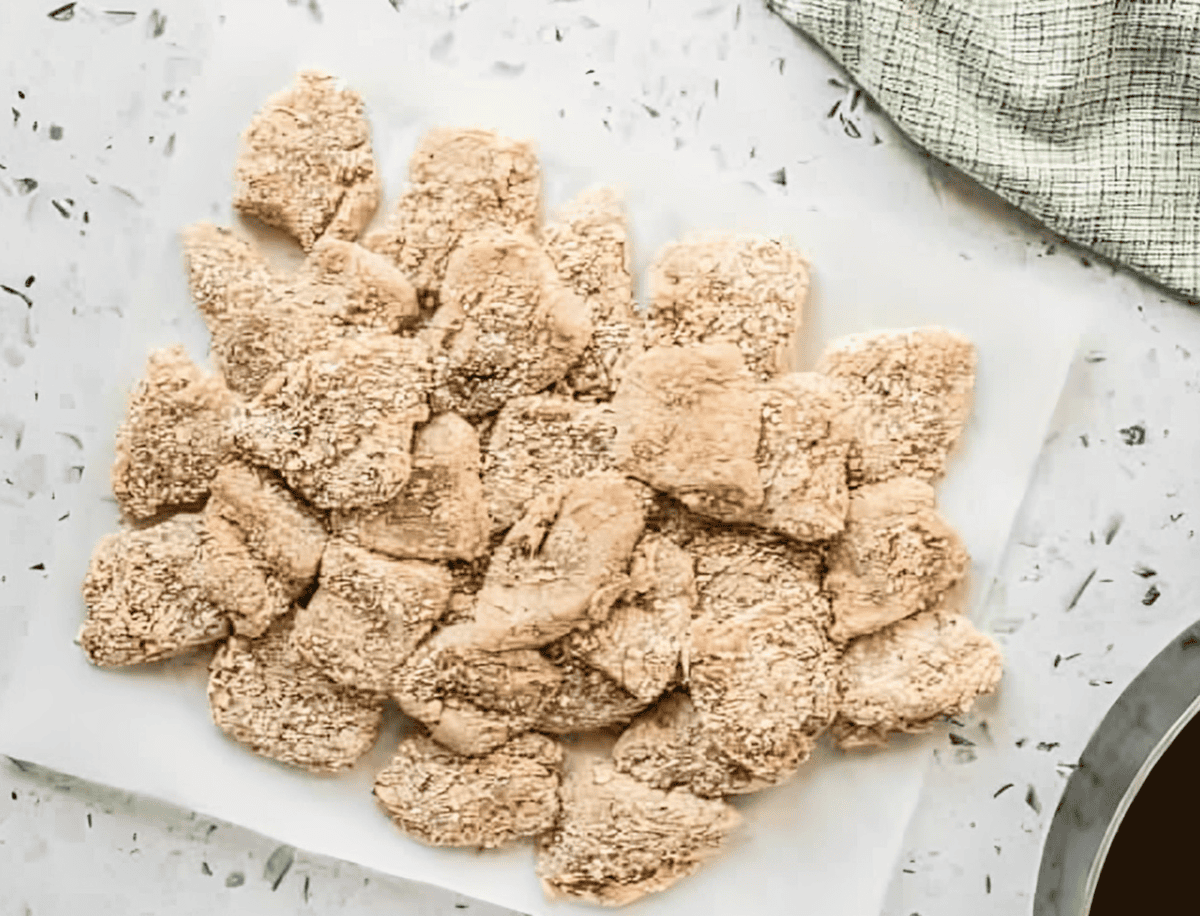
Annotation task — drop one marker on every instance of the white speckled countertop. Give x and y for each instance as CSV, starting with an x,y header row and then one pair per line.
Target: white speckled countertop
x,y
1098,577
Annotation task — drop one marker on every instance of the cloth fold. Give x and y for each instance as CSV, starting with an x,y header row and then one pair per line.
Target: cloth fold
x,y
1083,113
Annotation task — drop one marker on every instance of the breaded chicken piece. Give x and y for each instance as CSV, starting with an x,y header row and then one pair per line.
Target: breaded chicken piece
x,y
361,288
280,530
445,799
440,513
461,181
897,557
264,695
472,700
669,746
262,322
912,390
368,614
507,325
761,668
306,164
245,590
539,442
145,595
689,426
806,437
905,676
618,840
586,699
258,323
563,564
746,289
640,642
338,424
175,435
589,245
226,273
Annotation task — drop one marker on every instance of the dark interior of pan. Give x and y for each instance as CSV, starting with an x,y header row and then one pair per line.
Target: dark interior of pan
x,y
1123,838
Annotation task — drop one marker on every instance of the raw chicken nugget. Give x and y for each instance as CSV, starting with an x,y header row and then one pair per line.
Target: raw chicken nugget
x,y
507,325
537,443
640,643
145,595
669,746
361,288
897,557
746,289
261,321
589,244
445,799
226,273
762,670
306,164
440,513
368,614
585,699
564,563
912,390
905,676
279,530
338,424
461,182
264,695
237,582
802,456
473,700
689,426
174,437
259,324
618,840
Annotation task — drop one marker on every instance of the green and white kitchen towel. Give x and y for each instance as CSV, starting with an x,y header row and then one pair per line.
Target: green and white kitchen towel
x,y
1083,113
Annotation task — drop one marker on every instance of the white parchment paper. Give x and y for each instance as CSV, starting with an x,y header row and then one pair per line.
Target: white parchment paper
x,y
827,842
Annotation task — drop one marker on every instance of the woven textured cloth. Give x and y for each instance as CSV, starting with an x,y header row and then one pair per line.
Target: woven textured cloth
x,y
1083,113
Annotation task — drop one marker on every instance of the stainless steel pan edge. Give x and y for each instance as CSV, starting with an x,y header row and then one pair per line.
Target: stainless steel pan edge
x,y
1134,734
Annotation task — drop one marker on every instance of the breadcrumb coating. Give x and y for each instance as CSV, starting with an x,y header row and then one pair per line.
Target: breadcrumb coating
x,y
446,799
746,289
461,181
807,433
507,325
245,589
358,287
440,512
618,839
669,745
585,699
640,643
175,435
368,614
689,426
262,322
897,557
912,390
539,442
279,529
905,676
474,700
761,667
306,164
146,595
564,563
589,245
338,424
265,696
